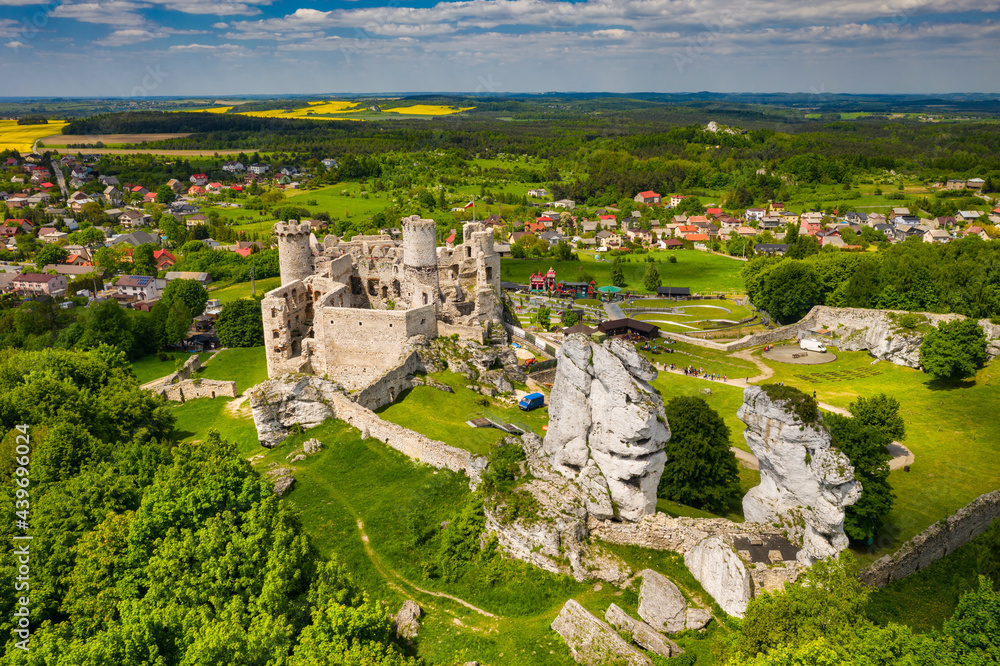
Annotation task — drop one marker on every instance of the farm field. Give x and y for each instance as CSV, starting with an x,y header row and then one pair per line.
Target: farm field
x,y
427,110
63,140
22,137
343,200
700,271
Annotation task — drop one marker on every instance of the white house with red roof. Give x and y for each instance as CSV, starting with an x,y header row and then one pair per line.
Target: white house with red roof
x,y
199,179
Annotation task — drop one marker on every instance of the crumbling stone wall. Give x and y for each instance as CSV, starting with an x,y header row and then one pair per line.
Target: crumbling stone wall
x,y
474,333
192,365
189,389
938,540
409,443
384,390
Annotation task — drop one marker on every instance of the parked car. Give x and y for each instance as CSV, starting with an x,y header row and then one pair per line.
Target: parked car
x,y
531,401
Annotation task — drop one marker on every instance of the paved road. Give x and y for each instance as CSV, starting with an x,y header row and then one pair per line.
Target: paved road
x,y
614,311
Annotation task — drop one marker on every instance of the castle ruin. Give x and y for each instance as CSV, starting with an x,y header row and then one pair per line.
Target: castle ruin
x,y
347,309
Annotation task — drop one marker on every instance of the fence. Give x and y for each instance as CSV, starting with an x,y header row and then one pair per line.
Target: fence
x,y
542,345
501,421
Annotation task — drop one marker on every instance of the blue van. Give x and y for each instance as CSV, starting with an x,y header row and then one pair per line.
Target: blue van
x,y
531,401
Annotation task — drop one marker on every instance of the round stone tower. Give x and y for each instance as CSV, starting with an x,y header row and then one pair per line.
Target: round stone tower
x,y
419,242
294,254
420,266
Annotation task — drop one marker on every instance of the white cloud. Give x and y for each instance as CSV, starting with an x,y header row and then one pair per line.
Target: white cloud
x,y
112,12
17,45
220,25
129,36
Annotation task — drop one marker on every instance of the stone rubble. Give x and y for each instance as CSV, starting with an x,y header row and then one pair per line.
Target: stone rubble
x,y
642,634
805,484
593,642
281,478
311,446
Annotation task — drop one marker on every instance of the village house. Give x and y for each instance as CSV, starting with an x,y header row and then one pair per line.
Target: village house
x,y
676,199
201,277
966,216
132,219
140,287
976,230
259,169
955,184
176,185
233,166
195,220
754,214
567,204
975,183
38,284
648,197
199,179
538,193
608,239
164,259
936,236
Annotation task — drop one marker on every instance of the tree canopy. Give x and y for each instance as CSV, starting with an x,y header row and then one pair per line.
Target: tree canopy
x,y
954,350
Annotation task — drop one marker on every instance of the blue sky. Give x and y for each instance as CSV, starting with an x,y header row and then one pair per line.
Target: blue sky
x,y
198,47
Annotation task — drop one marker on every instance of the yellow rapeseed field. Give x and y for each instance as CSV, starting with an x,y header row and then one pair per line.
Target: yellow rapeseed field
x,y
22,137
428,110
315,111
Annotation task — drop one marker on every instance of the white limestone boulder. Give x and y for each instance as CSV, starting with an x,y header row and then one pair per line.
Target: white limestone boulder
x,y
592,641
722,573
279,404
661,604
642,634
805,484
607,428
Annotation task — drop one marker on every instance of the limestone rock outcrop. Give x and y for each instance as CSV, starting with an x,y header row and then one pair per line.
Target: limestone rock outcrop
x,y
607,428
805,484
282,480
592,641
280,403
557,541
883,342
642,634
661,604
408,620
722,573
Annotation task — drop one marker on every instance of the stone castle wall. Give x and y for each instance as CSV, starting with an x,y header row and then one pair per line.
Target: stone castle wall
x,y
384,390
409,443
474,333
355,346
190,366
189,389
938,540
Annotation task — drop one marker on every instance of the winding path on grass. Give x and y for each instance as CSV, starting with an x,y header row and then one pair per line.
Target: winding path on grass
x,y
382,569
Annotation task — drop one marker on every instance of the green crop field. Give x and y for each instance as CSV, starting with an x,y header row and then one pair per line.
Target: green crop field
x,y
702,272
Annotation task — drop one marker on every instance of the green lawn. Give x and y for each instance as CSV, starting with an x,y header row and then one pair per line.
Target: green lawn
x,y
354,479
343,200
953,432
195,417
150,367
242,289
710,360
700,271
247,367
442,416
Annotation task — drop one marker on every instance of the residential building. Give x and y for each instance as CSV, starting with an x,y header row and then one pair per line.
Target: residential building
x,y
140,287
539,193
203,278
936,236
754,214
259,169
676,199
648,197
164,259
234,166
38,284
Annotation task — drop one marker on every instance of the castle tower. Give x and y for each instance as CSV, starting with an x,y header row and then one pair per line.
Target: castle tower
x,y
420,266
294,252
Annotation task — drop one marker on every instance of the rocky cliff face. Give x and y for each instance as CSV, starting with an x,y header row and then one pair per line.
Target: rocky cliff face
x,y
881,340
607,427
280,403
804,483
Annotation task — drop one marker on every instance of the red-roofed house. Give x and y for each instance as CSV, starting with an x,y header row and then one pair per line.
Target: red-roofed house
x,y
532,227
450,239
687,229
139,189
676,199
697,238
648,197
810,227
196,190
244,251
199,179
163,259
715,212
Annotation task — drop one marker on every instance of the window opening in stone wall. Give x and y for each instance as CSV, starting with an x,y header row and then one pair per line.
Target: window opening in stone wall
x,y
489,272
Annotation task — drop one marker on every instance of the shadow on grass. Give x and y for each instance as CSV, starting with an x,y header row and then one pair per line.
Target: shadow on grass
x,y
947,384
